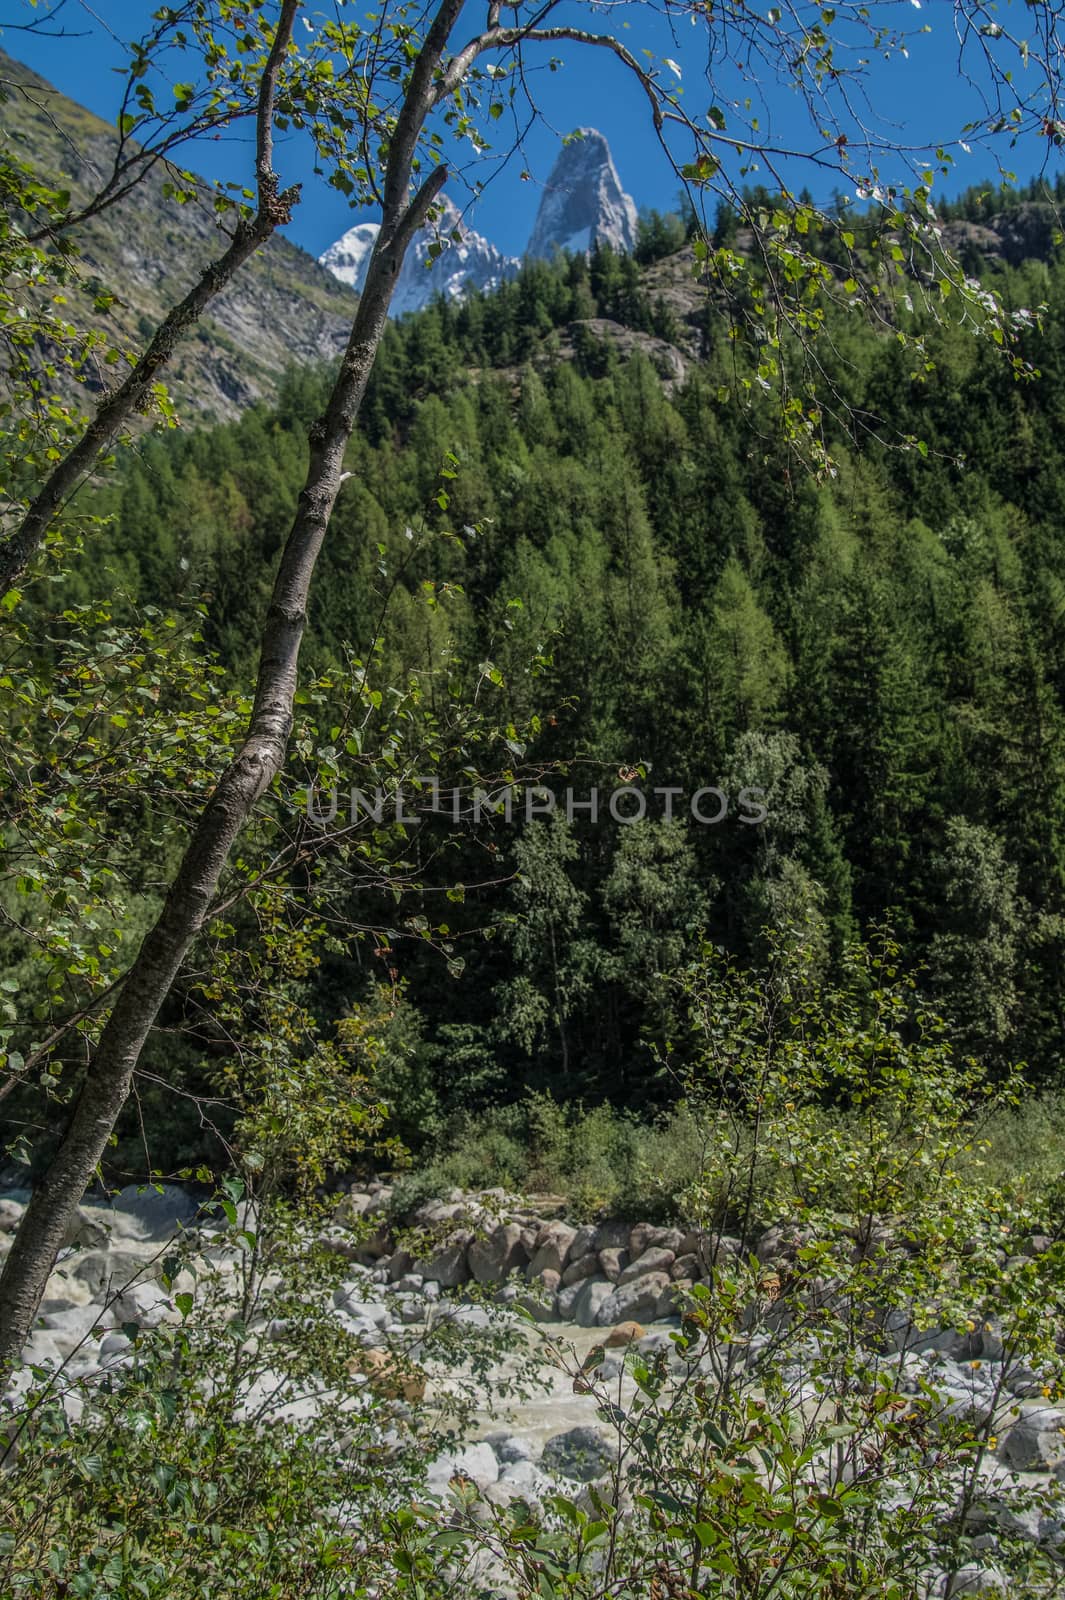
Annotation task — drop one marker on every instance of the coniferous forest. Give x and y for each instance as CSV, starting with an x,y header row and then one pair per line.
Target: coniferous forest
x,y
663,590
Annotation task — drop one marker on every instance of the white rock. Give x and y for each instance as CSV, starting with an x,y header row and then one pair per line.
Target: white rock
x,y
475,1461
71,1326
973,1579
410,1283
351,1299
146,1304
146,1212
86,1231
114,1347
42,1349
524,1480
109,1271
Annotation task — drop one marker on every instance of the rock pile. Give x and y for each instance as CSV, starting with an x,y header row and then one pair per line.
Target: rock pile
x,y
595,1275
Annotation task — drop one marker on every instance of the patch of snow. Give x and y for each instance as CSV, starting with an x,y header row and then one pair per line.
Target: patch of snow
x,y
459,269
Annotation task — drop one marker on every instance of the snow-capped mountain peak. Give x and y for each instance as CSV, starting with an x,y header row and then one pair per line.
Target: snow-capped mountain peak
x,y
583,204
472,264
349,258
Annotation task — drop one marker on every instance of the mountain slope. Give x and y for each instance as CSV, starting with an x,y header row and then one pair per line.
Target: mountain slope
x,y
283,310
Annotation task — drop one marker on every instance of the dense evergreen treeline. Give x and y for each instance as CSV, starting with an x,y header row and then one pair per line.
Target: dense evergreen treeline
x,y
882,655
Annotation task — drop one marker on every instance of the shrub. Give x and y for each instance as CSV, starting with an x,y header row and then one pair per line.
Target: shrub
x,y
603,1160
239,1451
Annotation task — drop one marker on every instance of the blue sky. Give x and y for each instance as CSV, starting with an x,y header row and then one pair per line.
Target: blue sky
x,y
917,100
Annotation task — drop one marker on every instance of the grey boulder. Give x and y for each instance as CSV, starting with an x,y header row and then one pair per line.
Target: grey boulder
x,y
653,1259
612,1236
493,1259
539,1298
510,1448
449,1267
633,1302
1036,1442
581,1454
580,1267
552,1249
589,1297
585,1242
613,1261
645,1236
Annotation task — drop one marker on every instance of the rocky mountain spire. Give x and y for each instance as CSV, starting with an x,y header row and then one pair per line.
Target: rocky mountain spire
x,y
583,202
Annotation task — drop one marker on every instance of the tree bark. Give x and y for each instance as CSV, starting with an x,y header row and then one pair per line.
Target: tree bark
x,y
274,209
110,1073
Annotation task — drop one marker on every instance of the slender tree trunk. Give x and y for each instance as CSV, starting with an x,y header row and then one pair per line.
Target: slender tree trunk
x,y
274,209
110,1073
560,1008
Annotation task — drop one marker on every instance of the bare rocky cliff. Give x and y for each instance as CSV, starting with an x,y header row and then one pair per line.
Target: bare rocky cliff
x,y
583,203
283,311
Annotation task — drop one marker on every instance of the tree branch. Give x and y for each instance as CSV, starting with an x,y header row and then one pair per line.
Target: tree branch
x,y
18,548
496,38
418,101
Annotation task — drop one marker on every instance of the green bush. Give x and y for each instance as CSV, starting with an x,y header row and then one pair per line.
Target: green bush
x,y
1024,1145
602,1160
605,1161
194,1466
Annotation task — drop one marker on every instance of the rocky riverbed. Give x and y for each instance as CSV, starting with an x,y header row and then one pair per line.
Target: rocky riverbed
x,y
612,1284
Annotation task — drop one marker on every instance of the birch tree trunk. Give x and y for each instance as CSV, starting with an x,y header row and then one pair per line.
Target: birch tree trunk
x,y
109,1075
